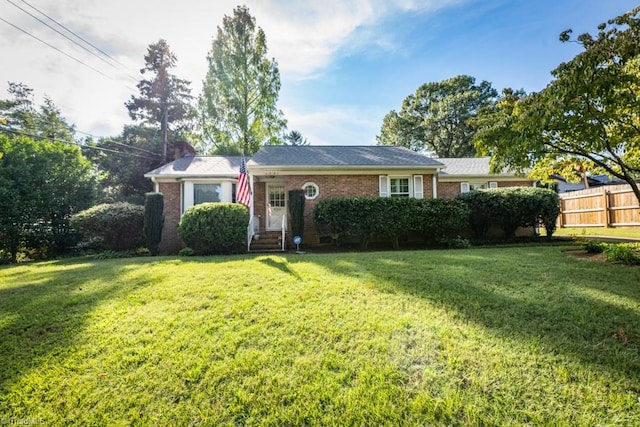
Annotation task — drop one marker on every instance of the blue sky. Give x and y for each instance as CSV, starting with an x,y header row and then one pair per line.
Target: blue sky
x,y
343,65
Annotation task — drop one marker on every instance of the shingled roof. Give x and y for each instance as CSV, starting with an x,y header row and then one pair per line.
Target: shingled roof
x,y
200,167
340,156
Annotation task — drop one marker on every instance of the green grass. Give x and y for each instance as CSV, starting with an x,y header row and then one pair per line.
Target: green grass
x,y
632,232
490,336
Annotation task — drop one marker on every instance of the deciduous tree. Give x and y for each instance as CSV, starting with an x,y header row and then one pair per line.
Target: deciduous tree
x,y
589,113
439,117
42,183
240,91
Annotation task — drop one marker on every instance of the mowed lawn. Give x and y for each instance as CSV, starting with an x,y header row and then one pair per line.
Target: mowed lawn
x,y
490,336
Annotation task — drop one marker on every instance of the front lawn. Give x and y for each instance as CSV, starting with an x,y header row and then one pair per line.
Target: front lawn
x,y
490,336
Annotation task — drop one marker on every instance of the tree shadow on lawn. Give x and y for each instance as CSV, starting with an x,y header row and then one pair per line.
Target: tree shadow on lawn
x,y
43,318
573,307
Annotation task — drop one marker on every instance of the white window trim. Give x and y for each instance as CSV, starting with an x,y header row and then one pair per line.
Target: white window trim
x,y
418,187
310,184
464,187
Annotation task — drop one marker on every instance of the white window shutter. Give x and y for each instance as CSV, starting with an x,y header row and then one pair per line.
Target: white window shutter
x,y
464,187
418,187
493,184
384,186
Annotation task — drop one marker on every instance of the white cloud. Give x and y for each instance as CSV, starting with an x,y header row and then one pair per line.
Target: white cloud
x,y
337,124
304,37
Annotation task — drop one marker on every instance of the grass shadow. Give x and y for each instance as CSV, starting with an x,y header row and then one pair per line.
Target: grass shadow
x,y
280,264
572,307
40,320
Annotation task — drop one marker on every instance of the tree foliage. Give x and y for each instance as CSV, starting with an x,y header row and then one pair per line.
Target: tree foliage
x,y
295,138
439,117
122,173
589,115
42,183
165,100
22,115
240,91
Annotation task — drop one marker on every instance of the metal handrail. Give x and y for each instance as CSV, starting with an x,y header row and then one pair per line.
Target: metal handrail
x,y
284,222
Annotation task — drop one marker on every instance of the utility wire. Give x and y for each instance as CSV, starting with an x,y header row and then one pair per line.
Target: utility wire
x,y
77,36
55,48
142,150
16,132
63,35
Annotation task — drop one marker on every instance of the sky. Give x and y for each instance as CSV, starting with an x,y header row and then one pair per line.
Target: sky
x,y
344,64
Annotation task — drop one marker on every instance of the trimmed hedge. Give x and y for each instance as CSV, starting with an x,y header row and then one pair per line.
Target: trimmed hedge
x,y
215,228
118,225
363,219
510,208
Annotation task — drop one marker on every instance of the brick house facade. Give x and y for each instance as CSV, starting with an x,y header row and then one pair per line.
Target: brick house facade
x,y
323,172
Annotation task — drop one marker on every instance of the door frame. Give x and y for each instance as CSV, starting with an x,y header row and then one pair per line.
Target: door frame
x,y
268,187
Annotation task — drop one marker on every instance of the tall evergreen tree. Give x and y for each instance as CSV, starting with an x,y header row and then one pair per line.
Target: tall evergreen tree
x,y
164,99
240,91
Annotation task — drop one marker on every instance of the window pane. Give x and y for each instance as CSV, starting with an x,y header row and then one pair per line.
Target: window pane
x,y
399,187
205,193
276,197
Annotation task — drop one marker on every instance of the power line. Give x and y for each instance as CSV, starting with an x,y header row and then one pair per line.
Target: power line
x,y
119,143
55,48
77,36
63,35
16,132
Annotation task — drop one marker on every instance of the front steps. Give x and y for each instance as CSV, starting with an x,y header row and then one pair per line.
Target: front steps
x,y
269,242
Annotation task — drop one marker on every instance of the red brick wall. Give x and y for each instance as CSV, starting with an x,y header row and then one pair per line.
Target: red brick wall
x,y
449,190
339,186
170,243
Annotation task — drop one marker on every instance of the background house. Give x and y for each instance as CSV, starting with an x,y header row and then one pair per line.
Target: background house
x,y
322,172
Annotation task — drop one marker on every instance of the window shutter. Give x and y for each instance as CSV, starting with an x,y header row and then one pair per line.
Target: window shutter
x,y
464,187
493,184
418,187
384,186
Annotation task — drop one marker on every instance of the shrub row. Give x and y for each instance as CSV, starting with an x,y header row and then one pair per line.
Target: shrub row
x,y
363,219
117,226
510,208
215,228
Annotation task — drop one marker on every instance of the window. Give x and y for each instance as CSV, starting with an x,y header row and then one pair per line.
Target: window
x,y
205,193
478,186
465,187
277,197
399,187
311,190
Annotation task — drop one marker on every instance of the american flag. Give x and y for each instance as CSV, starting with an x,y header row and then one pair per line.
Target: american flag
x,y
243,192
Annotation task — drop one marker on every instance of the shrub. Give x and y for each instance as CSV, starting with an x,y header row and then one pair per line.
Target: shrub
x,y
153,221
594,247
215,228
118,225
363,219
624,253
510,208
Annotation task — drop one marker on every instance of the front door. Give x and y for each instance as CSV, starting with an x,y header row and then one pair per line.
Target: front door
x,y
276,206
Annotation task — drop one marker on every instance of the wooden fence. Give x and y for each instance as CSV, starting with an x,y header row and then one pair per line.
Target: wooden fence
x,y
607,206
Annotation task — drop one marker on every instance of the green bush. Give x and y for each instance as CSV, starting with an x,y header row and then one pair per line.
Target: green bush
x,y
153,221
118,225
624,253
510,208
364,219
215,228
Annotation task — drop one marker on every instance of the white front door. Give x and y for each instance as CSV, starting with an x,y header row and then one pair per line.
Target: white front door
x,y
276,206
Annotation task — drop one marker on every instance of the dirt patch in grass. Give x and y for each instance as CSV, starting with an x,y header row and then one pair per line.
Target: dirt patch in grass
x,y
582,254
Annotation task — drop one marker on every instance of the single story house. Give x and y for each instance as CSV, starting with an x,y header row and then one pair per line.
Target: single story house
x,y
322,172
